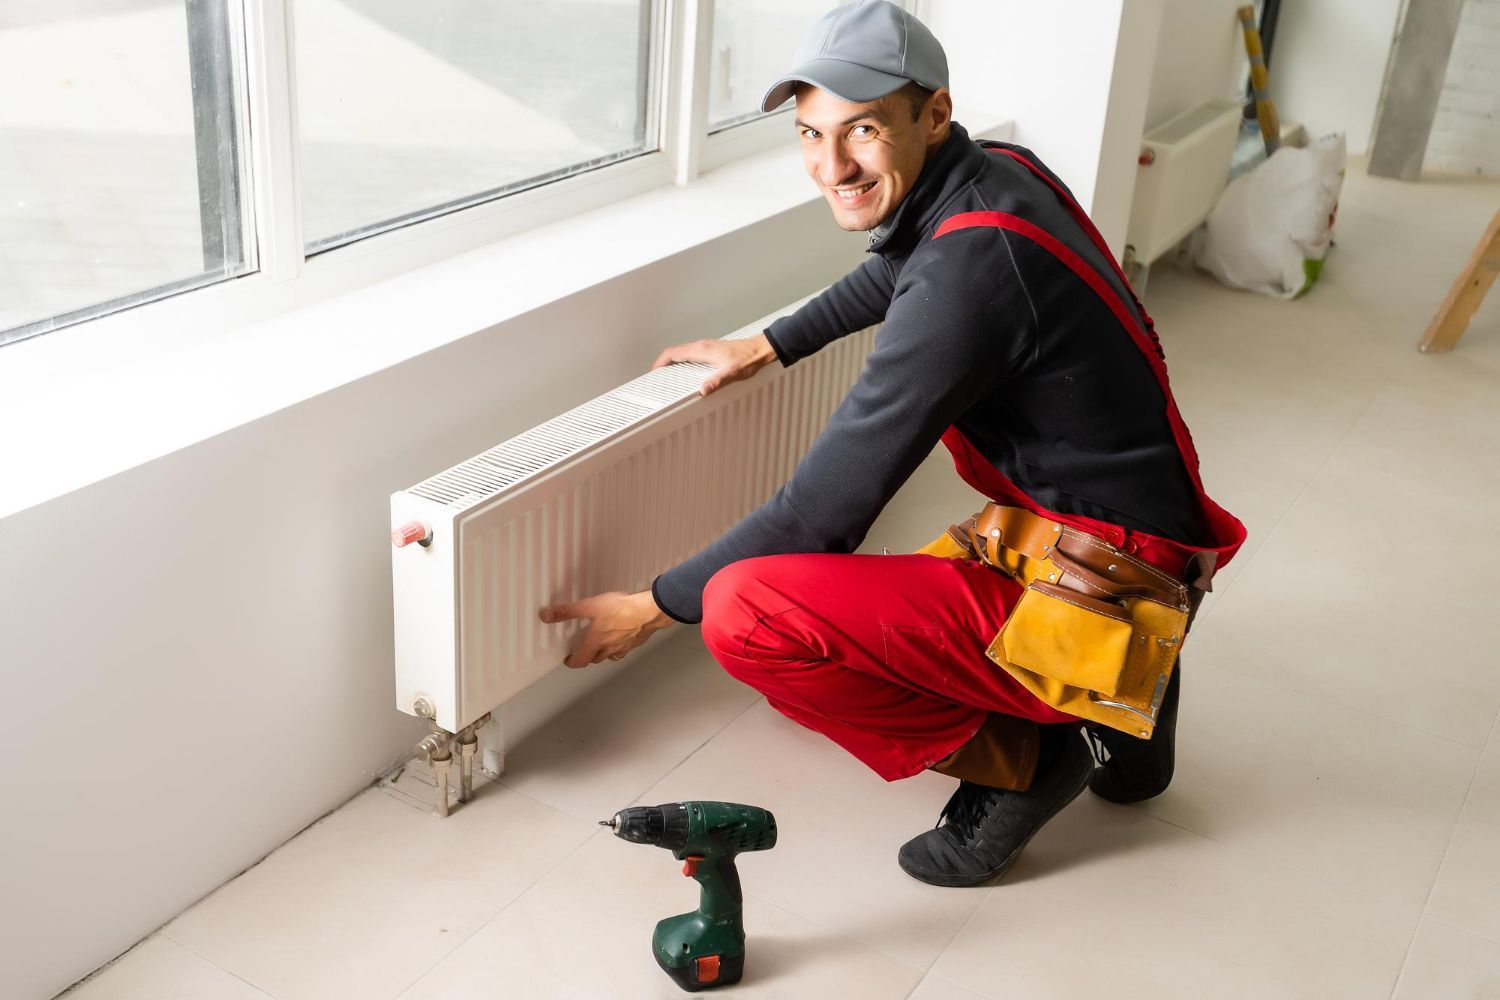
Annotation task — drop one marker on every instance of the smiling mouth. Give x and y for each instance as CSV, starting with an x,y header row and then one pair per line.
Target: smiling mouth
x,y
853,194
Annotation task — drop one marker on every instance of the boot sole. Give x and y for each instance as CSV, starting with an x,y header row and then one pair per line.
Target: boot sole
x,y
960,881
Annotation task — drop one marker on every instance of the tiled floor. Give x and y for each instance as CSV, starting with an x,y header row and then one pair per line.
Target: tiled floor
x,y
1332,832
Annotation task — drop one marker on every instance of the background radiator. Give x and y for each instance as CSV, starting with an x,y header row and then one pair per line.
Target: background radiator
x,y
1184,165
602,497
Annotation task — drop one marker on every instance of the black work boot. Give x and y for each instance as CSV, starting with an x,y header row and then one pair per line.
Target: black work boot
x,y
1132,769
986,828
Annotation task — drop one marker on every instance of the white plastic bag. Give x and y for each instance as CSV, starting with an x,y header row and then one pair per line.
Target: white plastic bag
x,y
1270,229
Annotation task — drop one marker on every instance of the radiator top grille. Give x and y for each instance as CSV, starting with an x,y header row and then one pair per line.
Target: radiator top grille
x,y
568,434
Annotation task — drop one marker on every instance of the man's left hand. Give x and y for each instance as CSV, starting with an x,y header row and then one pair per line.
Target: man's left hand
x,y
618,622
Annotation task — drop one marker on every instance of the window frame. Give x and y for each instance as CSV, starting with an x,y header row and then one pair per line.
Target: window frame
x,y
283,275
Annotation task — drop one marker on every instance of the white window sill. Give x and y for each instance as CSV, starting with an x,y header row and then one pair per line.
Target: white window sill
x,y
88,402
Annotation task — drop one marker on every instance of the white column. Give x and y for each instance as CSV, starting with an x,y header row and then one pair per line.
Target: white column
x,y
1074,74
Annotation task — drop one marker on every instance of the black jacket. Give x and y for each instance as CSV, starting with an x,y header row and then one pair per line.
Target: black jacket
x,y
985,330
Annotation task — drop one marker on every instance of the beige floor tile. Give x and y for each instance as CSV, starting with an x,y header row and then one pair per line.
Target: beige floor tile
x,y
369,898
620,739
1431,440
839,825
161,969
584,932
1252,378
1467,891
1108,901
1449,964
1333,791
1351,601
937,988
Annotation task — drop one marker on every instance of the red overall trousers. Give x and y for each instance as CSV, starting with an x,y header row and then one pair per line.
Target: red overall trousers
x,y
885,655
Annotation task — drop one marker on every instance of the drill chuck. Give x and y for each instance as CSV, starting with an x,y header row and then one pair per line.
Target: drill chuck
x,y
658,826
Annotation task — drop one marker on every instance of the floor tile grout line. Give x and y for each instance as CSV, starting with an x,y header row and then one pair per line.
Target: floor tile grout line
x,y
1251,556
191,951
374,785
1260,548
950,982
1448,844
847,937
988,892
1361,710
1462,930
496,915
693,752
1443,863
664,774
1364,894
874,947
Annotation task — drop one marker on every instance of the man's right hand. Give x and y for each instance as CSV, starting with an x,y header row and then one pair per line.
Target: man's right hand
x,y
733,360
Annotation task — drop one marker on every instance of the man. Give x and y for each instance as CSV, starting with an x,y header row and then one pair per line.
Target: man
x,y
1010,336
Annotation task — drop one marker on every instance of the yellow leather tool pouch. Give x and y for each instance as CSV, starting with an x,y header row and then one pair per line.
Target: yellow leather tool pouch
x,y
1105,662
1064,635
1103,656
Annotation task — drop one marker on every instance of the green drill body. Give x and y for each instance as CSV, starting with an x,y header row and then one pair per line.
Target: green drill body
x,y
705,947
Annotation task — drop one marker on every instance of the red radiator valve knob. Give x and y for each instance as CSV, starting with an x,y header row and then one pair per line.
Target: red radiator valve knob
x,y
1146,158
411,531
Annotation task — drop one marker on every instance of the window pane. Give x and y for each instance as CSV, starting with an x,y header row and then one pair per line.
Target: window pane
x,y
409,109
119,172
755,42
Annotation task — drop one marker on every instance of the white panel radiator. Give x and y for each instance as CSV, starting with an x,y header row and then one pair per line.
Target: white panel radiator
x,y
602,497
1184,166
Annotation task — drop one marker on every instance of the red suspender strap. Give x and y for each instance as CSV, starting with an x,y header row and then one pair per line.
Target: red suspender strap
x,y
1082,218
1144,336
1092,278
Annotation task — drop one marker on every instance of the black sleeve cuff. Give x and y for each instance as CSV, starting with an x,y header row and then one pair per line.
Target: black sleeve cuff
x,y
664,609
780,354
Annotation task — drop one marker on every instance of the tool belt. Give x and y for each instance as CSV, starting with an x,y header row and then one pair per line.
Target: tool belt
x,y
1097,631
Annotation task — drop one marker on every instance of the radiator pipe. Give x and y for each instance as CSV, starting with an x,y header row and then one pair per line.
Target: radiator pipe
x,y
435,747
468,745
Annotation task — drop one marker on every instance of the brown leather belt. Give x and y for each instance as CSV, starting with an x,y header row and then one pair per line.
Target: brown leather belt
x,y
1086,564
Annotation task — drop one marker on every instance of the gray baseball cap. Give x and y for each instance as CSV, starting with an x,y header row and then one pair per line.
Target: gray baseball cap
x,y
862,51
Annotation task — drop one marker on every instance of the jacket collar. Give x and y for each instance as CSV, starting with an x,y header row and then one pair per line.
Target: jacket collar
x,y
955,163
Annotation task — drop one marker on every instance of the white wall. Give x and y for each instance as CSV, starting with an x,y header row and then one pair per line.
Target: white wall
x,y
199,650
1328,65
1466,129
1077,94
1125,119
1200,56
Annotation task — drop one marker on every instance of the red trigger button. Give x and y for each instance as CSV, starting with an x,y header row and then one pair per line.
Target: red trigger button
x,y
690,865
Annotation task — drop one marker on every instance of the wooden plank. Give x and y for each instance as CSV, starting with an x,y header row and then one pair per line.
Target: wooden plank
x,y
1463,299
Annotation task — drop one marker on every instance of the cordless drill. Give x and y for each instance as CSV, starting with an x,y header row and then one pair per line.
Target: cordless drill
x,y
705,947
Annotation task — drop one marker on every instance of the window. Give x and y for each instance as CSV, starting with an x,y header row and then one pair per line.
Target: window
x,y
408,110
151,147
754,44
120,174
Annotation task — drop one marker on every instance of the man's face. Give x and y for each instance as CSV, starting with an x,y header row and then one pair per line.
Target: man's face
x,y
866,157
